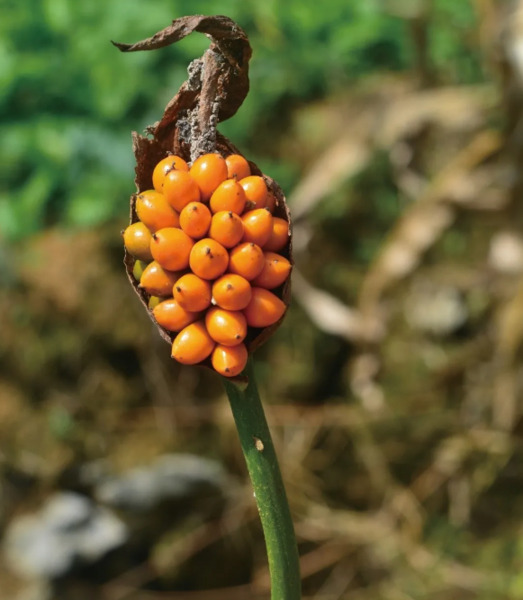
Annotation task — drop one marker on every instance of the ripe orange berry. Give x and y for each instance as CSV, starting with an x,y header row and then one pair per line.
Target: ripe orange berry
x,y
192,293
255,190
193,344
226,327
179,188
169,163
229,195
237,167
231,291
155,212
137,240
264,309
171,248
171,316
257,226
195,219
208,259
208,171
157,281
246,260
226,228
279,235
275,271
229,361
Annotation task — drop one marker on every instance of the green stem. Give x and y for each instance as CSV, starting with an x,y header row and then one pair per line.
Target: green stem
x,y
269,491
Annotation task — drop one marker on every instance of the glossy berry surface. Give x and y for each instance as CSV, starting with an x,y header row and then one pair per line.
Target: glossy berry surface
x,y
226,228
208,171
208,259
232,292
264,309
192,292
257,226
171,316
195,220
246,260
193,344
171,248
157,281
229,361
179,188
155,212
137,241
229,196
279,235
275,271
255,190
237,167
226,327
169,163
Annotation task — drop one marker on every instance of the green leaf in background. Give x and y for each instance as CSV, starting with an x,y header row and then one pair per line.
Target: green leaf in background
x,y
70,100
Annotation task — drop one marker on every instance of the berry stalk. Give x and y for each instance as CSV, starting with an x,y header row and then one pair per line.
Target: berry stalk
x,y
269,491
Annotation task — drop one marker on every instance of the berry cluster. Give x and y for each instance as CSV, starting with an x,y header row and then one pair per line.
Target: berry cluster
x,y
208,253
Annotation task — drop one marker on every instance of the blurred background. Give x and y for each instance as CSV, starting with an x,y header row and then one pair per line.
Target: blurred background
x,y
393,388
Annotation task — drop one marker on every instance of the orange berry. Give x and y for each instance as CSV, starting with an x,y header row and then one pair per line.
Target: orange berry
x,y
275,271
171,316
246,260
264,309
157,281
208,259
255,190
229,361
257,226
171,247
179,188
226,228
155,212
169,163
237,167
231,291
192,293
226,327
279,235
208,171
229,195
137,241
195,219
193,344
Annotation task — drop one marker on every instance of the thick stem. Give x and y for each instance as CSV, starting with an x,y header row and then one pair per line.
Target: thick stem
x,y
269,491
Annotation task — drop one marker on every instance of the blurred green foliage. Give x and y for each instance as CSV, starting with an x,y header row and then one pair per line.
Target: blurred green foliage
x,y
70,99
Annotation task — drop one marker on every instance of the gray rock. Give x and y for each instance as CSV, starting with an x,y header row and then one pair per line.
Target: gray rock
x,y
170,477
68,530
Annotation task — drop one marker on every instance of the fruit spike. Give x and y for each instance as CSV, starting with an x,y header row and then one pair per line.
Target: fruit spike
x,y
185,160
